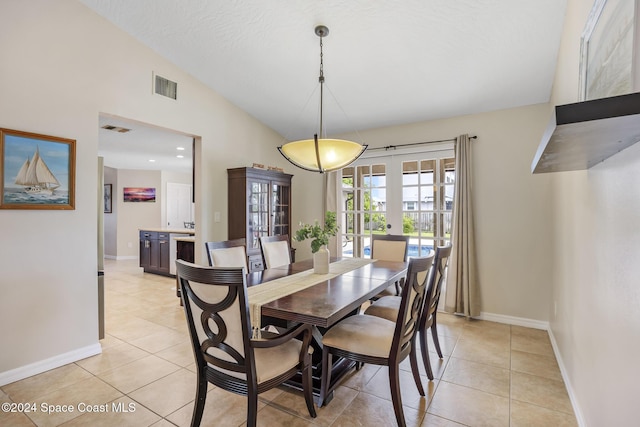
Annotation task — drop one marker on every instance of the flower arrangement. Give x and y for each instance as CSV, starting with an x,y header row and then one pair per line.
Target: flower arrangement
x,y
320,235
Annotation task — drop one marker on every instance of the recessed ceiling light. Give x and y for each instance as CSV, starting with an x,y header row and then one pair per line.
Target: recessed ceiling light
x,y
180,148
152,160
180,156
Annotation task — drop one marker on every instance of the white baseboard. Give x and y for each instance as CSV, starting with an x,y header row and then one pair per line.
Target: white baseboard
x,y
26,371
567,382
517,321
121,257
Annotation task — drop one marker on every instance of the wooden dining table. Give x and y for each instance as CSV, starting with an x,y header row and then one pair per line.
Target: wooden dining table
x,y
324,304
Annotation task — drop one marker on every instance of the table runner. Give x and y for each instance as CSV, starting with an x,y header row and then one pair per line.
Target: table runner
x,y
270,291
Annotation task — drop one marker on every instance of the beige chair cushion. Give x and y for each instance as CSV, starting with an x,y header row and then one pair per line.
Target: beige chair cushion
x,y
389,250
276,253
385,307
229,257
271,362
362,334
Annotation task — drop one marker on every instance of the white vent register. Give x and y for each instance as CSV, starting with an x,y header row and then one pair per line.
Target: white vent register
x,y
165,87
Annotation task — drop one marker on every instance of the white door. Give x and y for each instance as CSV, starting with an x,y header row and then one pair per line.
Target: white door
x,y
403,194
179,206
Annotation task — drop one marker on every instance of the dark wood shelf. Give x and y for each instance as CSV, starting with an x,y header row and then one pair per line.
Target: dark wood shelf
x,y
583,134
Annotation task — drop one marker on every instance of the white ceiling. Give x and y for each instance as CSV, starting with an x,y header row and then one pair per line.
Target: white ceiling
x,y
385,62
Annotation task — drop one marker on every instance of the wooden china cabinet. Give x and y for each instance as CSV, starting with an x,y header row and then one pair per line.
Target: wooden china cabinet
x,y
259,205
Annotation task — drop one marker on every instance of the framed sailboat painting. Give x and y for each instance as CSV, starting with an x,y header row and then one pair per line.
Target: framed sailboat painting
x,y
37,171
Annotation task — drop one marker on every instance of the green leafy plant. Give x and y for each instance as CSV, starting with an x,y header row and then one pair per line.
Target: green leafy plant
x,y
320,235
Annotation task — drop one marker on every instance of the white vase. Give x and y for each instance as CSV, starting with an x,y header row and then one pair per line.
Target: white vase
x,y
321,261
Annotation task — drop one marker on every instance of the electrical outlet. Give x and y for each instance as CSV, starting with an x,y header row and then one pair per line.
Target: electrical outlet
x,y
216,217
555,309
129,244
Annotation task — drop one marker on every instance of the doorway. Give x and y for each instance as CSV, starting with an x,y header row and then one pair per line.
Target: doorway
x,y
403,194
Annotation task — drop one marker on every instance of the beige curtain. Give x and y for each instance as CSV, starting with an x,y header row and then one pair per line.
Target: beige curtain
x,y
462,294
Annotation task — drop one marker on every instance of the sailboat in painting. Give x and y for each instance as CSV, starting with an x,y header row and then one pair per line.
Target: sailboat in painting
x,y
36,177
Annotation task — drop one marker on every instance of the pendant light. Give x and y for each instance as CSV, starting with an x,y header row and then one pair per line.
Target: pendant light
x,y
321,154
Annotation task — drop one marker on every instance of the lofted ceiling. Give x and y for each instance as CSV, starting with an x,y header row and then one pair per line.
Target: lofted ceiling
x,y
385,62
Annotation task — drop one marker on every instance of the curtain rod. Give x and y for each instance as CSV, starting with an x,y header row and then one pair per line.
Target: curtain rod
x,y
393,147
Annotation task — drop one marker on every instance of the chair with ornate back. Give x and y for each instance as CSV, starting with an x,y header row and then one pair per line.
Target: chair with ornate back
x,y
217,311
275,250
389,247
227,253
374,340
387,307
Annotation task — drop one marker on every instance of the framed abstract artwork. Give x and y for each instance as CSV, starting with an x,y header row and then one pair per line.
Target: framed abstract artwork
x,y
108,201
608,64
139,194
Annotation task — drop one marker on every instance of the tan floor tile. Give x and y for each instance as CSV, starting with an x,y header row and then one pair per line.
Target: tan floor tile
x,y
379,386
122,412
165,423
498,336
540,391
33,387
111,358
484,351
222,408
167,394
487,378
270,416
535,364
161,340
447,344
357,380
527,415
342,398
138,373
91,391
269,395
535,341
15,419
437,365
431,420
180,354
293,402
469,406
110,341
135,328
370,410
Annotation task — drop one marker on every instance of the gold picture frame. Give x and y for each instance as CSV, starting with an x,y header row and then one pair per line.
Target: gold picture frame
x,y
37,171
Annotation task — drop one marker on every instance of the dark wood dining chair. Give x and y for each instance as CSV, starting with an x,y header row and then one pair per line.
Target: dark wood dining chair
x,y
371,339
388,306
227,253
275,250
217,311
389,247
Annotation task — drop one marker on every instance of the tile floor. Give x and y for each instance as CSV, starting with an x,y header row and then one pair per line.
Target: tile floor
x,y
491,375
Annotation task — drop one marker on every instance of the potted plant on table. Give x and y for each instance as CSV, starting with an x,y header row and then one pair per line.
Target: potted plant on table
x,y
320,236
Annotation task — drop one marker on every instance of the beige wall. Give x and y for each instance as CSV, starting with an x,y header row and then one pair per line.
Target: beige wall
x,y
512,210
595,280
111,219
59,73
134,216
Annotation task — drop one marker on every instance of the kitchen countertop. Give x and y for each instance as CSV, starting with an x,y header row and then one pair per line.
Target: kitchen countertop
x,y
185,239
171,230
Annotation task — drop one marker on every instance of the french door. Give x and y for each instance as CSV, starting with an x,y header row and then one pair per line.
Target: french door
x,y
407,194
